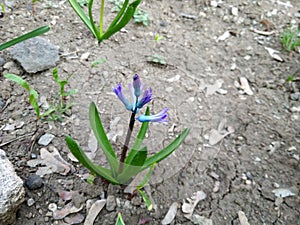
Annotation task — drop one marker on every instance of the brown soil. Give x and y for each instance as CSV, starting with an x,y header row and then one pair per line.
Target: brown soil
x,y
258,157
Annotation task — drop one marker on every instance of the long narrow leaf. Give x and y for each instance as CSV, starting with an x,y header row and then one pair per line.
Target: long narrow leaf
x,y
119,15
130,170
34,103
123,21
86,162
90,9
138,141
31,34
146,200
18,80
167,150
147,177
102,139
82,15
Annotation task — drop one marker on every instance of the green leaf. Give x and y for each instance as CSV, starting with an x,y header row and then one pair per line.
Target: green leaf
x,y
119,15
55,75
34,93
82,16
86,162
119,220
167,150
100,134
146,199
18,80
147,177
123,21
35,105
90,9
34,33
138,141
130,170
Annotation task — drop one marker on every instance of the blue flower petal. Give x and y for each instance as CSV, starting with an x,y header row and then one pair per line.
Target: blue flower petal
x,y
147,97
159,117
119,92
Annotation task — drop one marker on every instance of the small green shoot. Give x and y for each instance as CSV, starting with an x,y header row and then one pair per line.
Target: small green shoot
x,y
157,38
98,62
290,39
33,94
90,179
2,7
119,220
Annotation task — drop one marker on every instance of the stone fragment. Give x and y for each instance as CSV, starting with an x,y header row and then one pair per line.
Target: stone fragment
x,y
242,218
12,192
111,203
30,202
201,220
35,54
170,216
46,139
34,182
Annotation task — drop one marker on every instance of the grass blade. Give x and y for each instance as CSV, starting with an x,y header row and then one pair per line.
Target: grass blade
x,y
31,34
102,139
167,150
86,162
119,15
96,31
146,200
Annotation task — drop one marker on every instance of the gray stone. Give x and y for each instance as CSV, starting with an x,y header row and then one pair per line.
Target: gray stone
x,y
111,203
12,192
35,54
46,139
201,220
34,182
295,96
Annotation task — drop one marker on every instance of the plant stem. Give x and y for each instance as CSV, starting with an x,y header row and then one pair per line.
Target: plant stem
x,y
128,135
101,18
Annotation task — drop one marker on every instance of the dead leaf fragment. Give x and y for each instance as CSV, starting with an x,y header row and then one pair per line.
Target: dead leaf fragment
x,y
94,211
190,203
274,54
67,210
170,214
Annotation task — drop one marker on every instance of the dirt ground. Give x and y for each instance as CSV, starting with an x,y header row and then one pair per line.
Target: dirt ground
x,y
243,144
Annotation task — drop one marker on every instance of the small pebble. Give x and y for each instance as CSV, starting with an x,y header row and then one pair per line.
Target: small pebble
x,y
295,96
30,202
34,182
46,139
2,103
249,176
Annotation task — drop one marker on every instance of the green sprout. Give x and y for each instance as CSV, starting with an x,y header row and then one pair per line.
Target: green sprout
x,y
290,39
98,62
157,38
119,220
33,94
120,21
57,109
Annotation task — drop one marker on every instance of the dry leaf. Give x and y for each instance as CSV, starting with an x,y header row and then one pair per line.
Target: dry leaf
x,y
94,211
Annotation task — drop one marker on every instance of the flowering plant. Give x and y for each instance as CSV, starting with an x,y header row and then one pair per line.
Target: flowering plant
x,y
123,170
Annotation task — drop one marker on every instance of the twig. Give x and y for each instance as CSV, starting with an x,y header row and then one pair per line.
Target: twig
x,y
16,139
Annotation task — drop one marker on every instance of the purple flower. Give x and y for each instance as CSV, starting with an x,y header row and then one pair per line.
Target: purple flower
x,y
159,117
136,87
119,92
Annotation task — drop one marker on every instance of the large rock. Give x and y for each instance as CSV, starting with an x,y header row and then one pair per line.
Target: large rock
x,y
35,54
12,192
